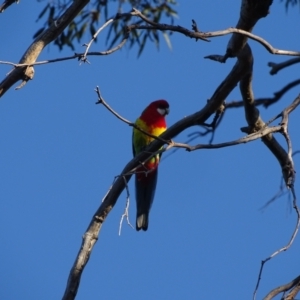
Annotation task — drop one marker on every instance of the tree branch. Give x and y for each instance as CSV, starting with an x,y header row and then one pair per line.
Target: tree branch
x,y
255,123
6,4
251,11
34,50
117,17
78,56
283,288
205,35
275,68
266,102
246,139
126,210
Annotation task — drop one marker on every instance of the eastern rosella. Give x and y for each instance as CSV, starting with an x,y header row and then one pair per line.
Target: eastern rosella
x,y
152,120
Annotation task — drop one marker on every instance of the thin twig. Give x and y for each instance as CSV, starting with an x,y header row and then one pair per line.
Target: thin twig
x,y
286,247
251,36
281,192
117,17
76,55
205,35
126,211
246,139
282,189
266,102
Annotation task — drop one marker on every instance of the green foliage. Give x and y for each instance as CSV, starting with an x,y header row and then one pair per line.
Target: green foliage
x,y
97,12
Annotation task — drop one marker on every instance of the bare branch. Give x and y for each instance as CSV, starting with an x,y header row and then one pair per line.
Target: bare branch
x,y
251,11
282,191
264,5
6,4
255,122
275,68
164,27
254,37
34,50
75,56
126,211
293,293
205,35
118,16
246,139
266,102
290,170
283,288
196,35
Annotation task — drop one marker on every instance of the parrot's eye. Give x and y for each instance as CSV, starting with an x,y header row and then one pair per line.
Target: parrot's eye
x,y
163,111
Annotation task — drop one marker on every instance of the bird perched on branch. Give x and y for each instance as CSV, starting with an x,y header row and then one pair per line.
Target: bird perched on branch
x,y
152,121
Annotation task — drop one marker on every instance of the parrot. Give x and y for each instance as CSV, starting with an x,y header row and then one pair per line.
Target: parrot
x,y
152,120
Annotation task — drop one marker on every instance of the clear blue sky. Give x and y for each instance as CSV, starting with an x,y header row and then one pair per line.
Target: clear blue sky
x,y
60,153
